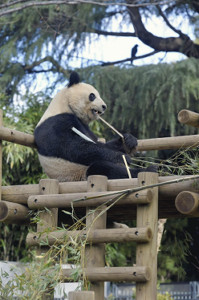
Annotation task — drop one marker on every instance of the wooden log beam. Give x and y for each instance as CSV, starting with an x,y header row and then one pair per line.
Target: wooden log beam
x,y
1,158
146,254
188,203
167,194
92,199
114,274
47,219
21,193
14,213
81,295
18,137
116,235
175,142
188,117
25,139
93,255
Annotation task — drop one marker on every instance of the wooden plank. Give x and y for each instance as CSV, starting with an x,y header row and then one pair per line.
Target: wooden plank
x,y
113,274
146,254
116,235
95,253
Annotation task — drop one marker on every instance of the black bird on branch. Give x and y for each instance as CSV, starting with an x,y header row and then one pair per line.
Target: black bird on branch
x,y
133,52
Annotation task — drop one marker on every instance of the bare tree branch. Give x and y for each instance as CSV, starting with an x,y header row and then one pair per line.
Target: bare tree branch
x,y
168,23
182,44
8,4
128,59
59,68
110,33
66,2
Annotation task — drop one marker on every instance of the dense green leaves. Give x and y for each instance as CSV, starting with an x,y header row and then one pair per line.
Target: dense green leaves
x,y
20,166
146,100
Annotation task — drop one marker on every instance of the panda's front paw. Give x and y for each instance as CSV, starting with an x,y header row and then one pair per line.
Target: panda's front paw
x,y
152,168
130,143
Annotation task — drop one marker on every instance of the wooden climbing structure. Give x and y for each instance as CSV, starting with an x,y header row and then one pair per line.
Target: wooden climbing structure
x,y
144,199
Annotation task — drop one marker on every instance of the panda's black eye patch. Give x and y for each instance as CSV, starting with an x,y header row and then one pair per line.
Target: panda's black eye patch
x,y
92,97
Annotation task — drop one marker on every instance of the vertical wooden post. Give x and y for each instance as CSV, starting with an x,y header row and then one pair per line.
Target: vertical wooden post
x,y
83,295
1,124
146,254
95,254
49,218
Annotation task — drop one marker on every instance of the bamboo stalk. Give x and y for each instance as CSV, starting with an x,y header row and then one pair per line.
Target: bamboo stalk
x,y
167,142
110,126
121,135
127,167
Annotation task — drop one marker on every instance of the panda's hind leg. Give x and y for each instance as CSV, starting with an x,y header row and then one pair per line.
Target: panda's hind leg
x,y
111,170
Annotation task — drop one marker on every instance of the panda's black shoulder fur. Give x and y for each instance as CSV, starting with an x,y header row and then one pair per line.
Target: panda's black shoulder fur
x,y
74,79
56,131
55,138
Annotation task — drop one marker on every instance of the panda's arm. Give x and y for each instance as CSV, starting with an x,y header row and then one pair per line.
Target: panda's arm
x,y
55,138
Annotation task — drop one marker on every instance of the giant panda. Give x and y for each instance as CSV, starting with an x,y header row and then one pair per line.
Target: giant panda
x,y
68,150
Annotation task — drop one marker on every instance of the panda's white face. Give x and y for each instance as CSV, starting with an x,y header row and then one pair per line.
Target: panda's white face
x,y
80,99
85,102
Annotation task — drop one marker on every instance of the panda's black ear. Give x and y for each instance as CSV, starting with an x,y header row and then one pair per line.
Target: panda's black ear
x,y
74,78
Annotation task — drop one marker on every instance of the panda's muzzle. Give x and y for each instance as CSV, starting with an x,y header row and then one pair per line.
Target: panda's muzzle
x,y
99,112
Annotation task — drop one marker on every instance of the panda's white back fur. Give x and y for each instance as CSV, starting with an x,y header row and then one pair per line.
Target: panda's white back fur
x,y
62,170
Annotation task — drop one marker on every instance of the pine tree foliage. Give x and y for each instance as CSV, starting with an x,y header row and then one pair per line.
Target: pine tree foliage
x,y
43,40
146,100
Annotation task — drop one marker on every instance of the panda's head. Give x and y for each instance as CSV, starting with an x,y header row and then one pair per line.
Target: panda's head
x,y
78,98
84,100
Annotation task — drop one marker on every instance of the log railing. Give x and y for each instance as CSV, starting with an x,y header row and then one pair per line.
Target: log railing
x,y
176,142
